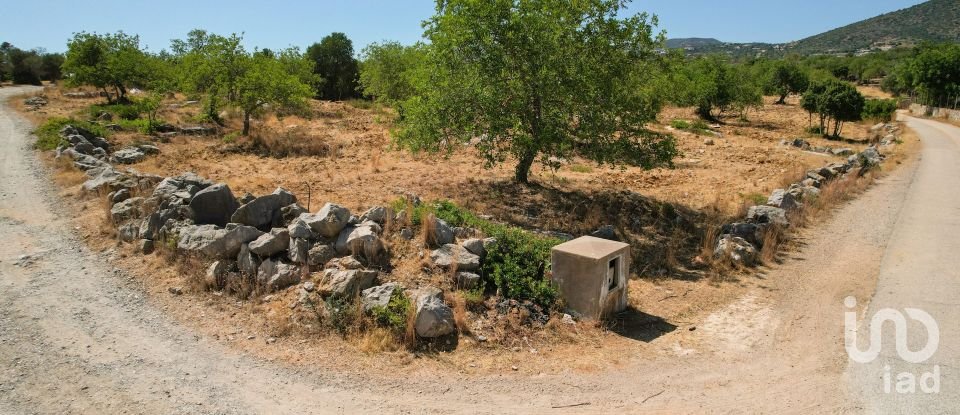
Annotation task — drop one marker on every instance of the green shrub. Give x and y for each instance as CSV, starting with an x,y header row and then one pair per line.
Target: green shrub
x,y
680,124
699,125
517,264
48,133
756,198
880,110
122,111
394,315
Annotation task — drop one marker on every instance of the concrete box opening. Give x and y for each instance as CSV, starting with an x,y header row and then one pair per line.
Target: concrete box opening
x,y
591,275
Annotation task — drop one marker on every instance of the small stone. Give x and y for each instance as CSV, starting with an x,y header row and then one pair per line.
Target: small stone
x,y
514,368
309,286
568,319
271,340
175,290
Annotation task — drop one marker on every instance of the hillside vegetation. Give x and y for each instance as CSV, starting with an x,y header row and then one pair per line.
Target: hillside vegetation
x,y
935,20
932,21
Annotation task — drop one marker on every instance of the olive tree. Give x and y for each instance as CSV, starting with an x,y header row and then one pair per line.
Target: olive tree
x,y
785,77
388,70
533,79
265,81
106,61
833,100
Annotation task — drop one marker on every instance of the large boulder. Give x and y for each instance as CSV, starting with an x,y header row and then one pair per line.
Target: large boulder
x,y
442,233
361,241
214,205
300,229
782,199
127,209
276,275
247,262
767,214
751,232
265,211
467,280
378,296
298,250
451,255
215,242
320,254
870,156
376,214
475,246
736,249
434,318
348,282
329,221
271,243
129,155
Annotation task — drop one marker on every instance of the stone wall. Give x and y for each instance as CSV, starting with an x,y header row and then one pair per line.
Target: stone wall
x,y
934,112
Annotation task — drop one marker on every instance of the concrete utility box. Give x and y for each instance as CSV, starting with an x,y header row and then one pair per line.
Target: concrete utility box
x,y
592,275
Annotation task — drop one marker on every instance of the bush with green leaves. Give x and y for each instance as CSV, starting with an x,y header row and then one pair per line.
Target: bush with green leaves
x,y
880,110
516,265
394,314
48,133
785,77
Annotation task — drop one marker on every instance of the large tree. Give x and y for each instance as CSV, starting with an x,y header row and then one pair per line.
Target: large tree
x,y
833,100
539,78
335,64
388,70
266,81
785,77
106,61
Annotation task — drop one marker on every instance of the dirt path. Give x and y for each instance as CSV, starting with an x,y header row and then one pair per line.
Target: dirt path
x,y
78,336
921,269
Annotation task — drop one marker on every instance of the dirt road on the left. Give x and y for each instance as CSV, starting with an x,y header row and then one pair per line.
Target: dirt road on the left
x,y
76,336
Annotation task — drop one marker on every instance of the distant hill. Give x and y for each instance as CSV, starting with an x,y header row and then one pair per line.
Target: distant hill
x,y
692,42
935,20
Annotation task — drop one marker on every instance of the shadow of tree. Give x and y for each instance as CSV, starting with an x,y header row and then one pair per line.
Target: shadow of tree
x,y
665,238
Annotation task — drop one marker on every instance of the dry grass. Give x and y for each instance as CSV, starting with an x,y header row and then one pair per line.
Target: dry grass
x,y
459,306
378,340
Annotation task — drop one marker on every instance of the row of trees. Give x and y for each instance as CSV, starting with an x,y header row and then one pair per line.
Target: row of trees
x,y
217,68
930,75
531,80
28,67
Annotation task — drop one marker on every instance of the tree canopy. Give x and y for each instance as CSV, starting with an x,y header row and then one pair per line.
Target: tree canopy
x,y
539,78
833,100
334,62
107,61
388,71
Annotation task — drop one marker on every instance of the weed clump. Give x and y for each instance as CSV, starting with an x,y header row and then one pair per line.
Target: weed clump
x,y
48,133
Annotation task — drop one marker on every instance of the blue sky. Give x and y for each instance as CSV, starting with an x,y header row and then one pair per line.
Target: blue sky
x,y
278,24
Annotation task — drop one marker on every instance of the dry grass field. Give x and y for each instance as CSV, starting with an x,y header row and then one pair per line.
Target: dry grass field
x,y
665,213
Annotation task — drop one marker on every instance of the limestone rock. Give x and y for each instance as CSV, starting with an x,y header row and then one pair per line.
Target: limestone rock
x,y
214,205
271,243
215,242
434,318
378,296
451,255
348,282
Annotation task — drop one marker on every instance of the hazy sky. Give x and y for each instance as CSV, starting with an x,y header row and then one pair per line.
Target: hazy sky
x,y
278,24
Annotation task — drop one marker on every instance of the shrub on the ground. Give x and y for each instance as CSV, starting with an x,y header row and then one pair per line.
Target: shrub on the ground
x,y
680,124
48,133
880,110
394,314
516,265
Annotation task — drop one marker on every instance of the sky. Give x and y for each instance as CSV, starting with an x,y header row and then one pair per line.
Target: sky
x,y
279,24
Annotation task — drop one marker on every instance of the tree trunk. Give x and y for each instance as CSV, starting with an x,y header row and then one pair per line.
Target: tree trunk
x,y
782,100
246,123
523,167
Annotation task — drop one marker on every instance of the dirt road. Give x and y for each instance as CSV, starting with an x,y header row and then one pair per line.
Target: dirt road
x,y
78,336
921,269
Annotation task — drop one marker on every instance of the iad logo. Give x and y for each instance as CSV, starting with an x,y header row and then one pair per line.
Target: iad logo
x,y
906,381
